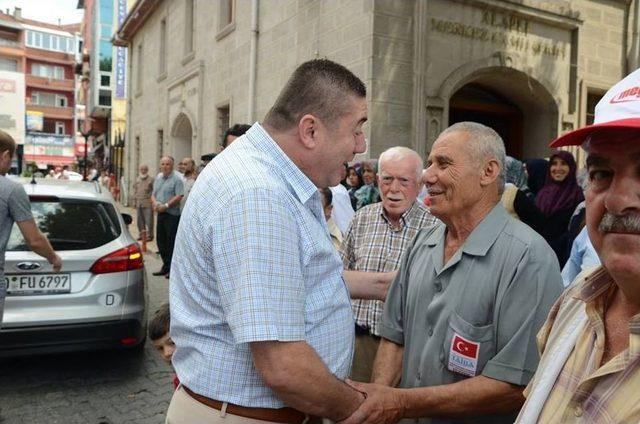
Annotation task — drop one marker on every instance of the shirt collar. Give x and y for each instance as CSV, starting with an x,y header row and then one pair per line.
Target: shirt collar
x,y
478,242
593,285
300,184
485,234
404,218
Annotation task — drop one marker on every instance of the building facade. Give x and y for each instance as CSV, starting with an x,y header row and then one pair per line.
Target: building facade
x,y
50,94
104,74
12,66
531,69
43,55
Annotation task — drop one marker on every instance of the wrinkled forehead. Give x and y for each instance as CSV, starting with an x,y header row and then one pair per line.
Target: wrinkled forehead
x,y
404,167
612,149
453,143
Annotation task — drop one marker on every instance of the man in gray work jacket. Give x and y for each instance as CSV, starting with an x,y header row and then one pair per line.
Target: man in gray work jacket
x,y
460,320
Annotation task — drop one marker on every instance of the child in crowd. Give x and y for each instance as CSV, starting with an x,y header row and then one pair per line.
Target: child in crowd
x,y
159,335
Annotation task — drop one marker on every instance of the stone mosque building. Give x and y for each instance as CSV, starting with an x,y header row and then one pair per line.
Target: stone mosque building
x,y
531,69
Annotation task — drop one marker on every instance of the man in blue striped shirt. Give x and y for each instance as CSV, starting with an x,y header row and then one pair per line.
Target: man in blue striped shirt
x,y
260,313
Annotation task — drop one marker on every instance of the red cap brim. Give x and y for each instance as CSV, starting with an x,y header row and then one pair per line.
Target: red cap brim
x,y
577,137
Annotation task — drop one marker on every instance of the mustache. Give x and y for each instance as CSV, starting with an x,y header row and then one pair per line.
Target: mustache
x,y
620,224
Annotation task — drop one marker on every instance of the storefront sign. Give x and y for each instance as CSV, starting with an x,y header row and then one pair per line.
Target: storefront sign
x,y
12,104
49,145
35,120
121,55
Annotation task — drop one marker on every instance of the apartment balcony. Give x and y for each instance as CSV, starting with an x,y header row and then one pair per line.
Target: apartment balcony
x,y
11,51
52,112
49,83
11,43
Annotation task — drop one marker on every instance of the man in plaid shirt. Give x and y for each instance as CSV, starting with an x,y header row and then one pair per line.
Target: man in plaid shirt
x,y
376,239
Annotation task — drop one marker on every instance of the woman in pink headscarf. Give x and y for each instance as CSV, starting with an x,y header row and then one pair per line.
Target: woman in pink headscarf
x,y
557,200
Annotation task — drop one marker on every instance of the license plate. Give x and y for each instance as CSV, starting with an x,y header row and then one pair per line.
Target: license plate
x,y
38,284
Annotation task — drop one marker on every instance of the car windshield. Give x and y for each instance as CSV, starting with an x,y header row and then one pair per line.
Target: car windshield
x,y
71,224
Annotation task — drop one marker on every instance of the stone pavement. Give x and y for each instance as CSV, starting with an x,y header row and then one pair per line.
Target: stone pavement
x,y
107,387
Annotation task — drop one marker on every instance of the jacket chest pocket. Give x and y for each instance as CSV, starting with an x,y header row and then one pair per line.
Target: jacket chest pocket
x,y
467,347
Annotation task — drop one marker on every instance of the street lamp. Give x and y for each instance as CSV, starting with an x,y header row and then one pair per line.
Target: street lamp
x,y
86,136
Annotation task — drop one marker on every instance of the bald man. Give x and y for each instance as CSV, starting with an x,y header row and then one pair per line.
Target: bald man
x,y
168,189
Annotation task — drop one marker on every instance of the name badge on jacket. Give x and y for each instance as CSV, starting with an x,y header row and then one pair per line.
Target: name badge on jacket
x,y
463,356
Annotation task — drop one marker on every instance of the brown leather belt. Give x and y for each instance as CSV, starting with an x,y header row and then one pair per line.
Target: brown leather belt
x,y
281,415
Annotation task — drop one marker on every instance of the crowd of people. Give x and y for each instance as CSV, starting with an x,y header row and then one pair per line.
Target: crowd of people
x,y
305,286
164,196
445,274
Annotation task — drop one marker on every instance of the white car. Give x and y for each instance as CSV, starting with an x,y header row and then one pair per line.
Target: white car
x,y
99,297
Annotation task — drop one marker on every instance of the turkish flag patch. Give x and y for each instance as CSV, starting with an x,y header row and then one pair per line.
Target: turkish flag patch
x,y
463,356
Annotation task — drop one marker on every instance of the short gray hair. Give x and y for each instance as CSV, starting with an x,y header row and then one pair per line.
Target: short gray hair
x,y
400,152
484,143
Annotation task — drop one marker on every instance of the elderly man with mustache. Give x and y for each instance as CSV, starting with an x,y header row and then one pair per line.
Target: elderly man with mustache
x,y
590,367
459,322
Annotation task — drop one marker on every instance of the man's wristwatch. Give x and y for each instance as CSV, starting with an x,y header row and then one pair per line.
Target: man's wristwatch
x,y
166,205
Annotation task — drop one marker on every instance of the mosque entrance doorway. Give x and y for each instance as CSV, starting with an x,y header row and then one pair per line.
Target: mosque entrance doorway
x,y
181,136
517,106
476,103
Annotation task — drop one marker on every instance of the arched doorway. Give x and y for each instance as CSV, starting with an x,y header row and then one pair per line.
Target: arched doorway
x,y
517,106
476,103
181,136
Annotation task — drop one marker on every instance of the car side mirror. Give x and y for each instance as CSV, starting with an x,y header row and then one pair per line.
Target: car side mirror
x,y
127,218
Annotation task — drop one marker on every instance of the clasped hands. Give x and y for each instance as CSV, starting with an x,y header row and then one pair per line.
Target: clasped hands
x,y
160,207
382,404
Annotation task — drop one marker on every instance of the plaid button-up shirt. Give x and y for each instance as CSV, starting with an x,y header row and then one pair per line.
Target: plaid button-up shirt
x,y
587,391
254,262
372,244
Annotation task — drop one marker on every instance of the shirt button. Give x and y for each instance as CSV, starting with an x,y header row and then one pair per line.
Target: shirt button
x,y
430,331
578,411
438,287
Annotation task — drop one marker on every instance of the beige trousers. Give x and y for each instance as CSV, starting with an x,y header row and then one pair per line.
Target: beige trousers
x,y
184,409
364,354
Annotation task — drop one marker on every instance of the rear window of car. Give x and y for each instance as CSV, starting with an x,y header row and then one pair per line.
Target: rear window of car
x,y
71,224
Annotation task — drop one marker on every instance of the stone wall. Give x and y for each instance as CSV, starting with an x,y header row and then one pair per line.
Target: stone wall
x,y
412,55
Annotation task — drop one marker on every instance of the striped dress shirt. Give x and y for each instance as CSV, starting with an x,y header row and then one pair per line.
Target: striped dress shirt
x,y
587,391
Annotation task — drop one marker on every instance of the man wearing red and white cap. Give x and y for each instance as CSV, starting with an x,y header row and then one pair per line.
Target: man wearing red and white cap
x,y
590,366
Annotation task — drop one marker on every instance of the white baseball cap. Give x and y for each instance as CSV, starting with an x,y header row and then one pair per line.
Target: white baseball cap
x,y
618,108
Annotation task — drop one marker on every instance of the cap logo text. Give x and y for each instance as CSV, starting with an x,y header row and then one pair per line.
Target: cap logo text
x,y
629,95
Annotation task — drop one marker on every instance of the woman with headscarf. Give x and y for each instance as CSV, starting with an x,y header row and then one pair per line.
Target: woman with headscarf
x,y
515,174
368,193
537,170
516,197
558,199
354,182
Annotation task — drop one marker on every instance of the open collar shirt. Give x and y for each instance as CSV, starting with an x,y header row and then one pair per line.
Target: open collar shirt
x,y
477,314
254,262
373,244
587,391
166,188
